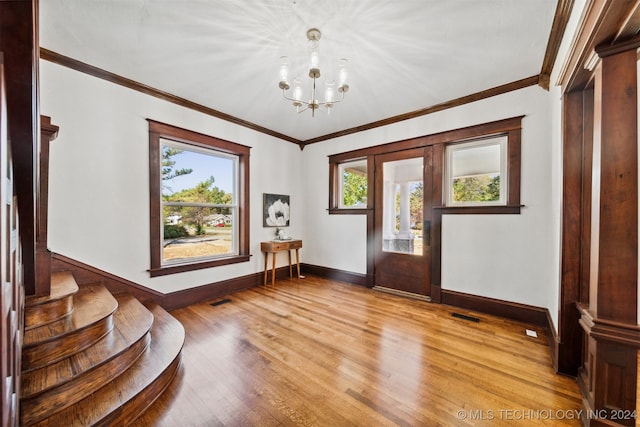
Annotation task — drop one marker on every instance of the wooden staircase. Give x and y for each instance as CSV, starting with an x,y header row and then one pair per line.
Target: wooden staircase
x,y
93,358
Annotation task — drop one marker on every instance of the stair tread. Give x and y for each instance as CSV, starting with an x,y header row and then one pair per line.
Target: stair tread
x,y
126,396
92,304
132,321
62,285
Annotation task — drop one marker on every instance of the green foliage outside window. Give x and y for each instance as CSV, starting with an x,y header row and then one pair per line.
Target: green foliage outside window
x,y
203,192
172,231
168,171
483,188
416,201
354,187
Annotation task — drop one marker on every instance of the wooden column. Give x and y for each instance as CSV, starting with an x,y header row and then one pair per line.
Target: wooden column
x,y
612,336
19,43
576,192
48,132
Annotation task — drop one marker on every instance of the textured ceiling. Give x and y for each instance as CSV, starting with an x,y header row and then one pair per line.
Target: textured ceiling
x,y
403,56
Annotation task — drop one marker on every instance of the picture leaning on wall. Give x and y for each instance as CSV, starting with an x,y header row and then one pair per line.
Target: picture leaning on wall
x,y
276,210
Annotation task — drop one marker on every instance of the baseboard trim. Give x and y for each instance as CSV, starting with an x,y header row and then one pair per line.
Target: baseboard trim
x,y
210,291
537,316
510,310
335,274
85,274
553,341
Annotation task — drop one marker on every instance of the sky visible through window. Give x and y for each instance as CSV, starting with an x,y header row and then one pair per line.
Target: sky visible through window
x,y
204,166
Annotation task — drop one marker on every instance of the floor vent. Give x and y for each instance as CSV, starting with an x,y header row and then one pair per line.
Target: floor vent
x,y
222,301
465,317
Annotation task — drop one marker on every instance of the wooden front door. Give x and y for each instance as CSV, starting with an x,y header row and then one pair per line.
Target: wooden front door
x,y
402,221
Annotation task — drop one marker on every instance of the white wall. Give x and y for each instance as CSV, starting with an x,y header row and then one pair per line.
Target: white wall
x,y
509,257
99,203
99,177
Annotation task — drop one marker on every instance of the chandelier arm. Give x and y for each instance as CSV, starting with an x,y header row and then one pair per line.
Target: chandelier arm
x,y
324,104
313,93
293,99
314,103
307,104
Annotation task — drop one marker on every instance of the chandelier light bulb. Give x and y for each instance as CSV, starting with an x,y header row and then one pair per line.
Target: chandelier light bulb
x,y
297,93
314,65
329,93
343,74
284,73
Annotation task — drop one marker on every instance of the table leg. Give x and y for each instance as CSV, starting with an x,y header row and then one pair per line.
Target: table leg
x,y
266,258
298,261
273,270
289,253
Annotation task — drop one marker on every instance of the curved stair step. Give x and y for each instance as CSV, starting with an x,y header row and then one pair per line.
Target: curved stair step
x,y
91,319
56,305
61,384
124,398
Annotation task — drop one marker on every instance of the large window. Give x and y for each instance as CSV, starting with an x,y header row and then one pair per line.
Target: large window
x,y
198,200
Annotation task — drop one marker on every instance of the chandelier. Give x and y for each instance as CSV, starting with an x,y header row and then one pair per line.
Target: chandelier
x,y
313,37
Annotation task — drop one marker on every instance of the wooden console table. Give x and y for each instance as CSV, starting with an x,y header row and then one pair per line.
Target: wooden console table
x,y
274,246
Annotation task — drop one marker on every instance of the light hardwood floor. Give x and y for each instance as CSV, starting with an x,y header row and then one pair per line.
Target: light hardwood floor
x,y
313,352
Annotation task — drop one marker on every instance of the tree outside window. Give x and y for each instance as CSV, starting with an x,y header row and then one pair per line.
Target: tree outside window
x,y
476,172
199,200
354,184
198,214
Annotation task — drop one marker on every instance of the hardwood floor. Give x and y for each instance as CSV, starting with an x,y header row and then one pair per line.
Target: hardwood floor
x,y
314,352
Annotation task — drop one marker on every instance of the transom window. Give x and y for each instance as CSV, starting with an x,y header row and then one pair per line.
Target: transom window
x,y
477,172
199,205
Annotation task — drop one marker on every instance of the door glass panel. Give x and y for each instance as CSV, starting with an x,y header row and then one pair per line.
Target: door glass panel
x,y
403,206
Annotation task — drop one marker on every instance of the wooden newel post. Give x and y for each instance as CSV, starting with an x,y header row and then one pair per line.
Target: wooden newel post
x,y
608,376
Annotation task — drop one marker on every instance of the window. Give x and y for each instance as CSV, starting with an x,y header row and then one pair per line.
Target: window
x,y
481,162
353,184
403,206
198,200
476,173
350,191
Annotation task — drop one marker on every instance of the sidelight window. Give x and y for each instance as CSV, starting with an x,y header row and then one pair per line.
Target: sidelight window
x,y
353,184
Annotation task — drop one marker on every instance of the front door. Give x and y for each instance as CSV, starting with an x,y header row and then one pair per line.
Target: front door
x,y
402,230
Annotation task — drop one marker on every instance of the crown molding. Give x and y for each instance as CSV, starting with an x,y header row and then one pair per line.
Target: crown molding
x,y
100,73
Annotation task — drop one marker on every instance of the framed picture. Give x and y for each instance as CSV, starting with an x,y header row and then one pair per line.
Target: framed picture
x,y
275,210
